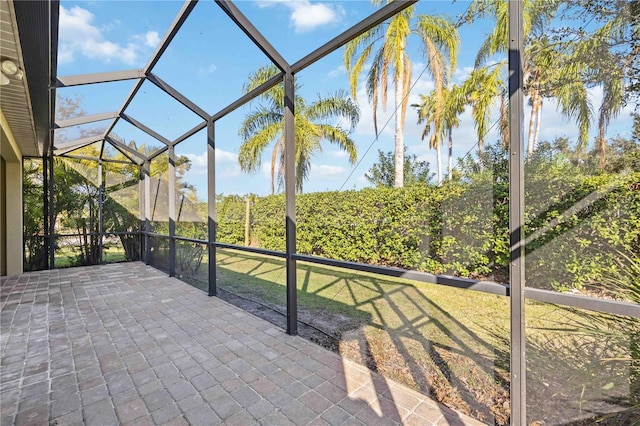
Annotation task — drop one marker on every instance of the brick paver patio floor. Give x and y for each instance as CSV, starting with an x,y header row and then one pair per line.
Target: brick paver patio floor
x,y
126,344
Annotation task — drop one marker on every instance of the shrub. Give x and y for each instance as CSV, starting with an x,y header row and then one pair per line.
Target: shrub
x,y
574,224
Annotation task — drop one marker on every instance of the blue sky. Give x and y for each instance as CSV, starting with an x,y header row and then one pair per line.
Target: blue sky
x,y
210,60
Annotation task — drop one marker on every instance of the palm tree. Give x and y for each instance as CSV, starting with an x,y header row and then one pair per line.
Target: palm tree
x,y
313,125
612,103
385,44
439,126
482,87
604,61
565,68
544,75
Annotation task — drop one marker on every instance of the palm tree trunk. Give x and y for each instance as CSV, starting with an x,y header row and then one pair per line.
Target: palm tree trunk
x,y
439,163
532,123
450,171
536,136
247,221
504,121
399,136
274,158
602,147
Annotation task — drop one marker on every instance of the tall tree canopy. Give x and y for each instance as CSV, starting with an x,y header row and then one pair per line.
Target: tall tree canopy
x,y
382,173
384,46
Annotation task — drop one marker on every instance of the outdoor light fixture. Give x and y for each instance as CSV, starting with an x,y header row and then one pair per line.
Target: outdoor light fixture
x,y
9,68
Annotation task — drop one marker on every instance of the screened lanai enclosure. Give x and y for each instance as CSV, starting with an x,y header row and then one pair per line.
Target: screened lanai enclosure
x,y
445,192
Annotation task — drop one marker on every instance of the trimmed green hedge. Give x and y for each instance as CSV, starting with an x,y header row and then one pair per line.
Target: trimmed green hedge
x,y
576,225
579,228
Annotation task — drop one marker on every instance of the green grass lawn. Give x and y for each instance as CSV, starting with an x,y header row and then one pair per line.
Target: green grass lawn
x,y
449,343
65,257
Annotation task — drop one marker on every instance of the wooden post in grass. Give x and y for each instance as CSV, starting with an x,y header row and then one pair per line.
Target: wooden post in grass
x,y
247,221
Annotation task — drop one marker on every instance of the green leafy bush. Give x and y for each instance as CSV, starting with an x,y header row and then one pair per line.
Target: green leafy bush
x,y
575,224
230,219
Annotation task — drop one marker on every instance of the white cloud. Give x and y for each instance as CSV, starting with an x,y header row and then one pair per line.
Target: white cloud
x,y
152,39
227,166
207,70
79,35
225,157
362,180
306,16
325,173
318,175
232,172
340,70
222,157
197,161
65,56
338,154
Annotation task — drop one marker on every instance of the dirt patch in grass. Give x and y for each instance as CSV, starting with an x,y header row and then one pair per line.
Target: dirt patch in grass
x,y
278,317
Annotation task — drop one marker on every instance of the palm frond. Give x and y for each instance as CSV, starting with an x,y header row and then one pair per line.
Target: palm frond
x,y
336,105
341,138
444,35
265,125
250,155
275,95
257,120
357,53
354,72
395,44
373,79
573,101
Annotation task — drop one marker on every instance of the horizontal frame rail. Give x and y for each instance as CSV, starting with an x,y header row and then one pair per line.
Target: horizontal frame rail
x,y
154,235
77,143
569,300
247,97
190,133
158,153
190,240
578,301
449,281
251,250
145,129
171,91
86,119
94,234
99,77
124,149
83,157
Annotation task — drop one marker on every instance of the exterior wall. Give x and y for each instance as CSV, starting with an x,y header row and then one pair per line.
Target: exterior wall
x,y
11,246
3,217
